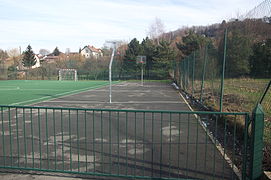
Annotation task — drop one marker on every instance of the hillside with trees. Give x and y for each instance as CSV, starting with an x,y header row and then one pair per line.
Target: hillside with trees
x,y
248,43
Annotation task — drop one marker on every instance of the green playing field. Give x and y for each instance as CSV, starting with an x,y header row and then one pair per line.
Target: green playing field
x,y
23,92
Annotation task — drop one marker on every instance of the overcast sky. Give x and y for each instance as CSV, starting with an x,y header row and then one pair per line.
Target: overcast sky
x,y
76,23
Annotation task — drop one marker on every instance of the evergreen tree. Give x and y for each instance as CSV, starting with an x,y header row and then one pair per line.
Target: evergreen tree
x,y
56,52
28,59
129,60
163,59
149,50
191,43
260,61
237,55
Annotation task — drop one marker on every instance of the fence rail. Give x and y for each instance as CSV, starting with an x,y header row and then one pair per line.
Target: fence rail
x,y
124,143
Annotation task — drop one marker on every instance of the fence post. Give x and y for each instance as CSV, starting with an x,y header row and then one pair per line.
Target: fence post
x,y
257,143
187,84
185,72
223,71
193,72
203,73
180,77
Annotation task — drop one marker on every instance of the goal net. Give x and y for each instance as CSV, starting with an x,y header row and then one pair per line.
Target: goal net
x,y
67,74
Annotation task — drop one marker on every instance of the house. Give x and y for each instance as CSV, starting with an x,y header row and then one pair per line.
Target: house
x,y
91,51
38,58
50,59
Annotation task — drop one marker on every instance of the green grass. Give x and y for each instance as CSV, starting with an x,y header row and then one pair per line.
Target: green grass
x,y
25,92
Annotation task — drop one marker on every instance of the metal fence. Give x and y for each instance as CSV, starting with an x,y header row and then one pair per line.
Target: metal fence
x,y
206,75
125,143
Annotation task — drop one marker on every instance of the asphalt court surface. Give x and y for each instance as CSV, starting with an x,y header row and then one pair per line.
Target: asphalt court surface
x,y
126,95
113,142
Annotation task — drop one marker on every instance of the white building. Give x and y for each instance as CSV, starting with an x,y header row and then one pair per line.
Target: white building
x,y
91,51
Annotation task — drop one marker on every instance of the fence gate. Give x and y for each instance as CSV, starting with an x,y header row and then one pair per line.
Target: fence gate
x,y
125,143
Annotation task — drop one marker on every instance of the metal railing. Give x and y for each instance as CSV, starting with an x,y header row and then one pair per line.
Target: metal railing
x,y
125,143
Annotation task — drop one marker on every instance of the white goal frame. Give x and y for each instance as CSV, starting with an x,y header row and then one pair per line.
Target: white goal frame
x,y
61,72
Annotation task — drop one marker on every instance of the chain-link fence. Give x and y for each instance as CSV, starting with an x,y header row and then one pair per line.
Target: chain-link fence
x,y
208,77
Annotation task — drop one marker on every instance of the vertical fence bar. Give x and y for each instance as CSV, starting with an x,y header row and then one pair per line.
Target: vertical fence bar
x,y
62,137
215,149
225,146
223,70
25,142
77,140
54,129
205,155
144,136
244,166
110,142
203,73
185,74
93,141
187,147
118,140
10,138
39,138
135,148
32,139
17,134
169,154
70,138
152,129
187,69
197,142
179,142
193,73
180,73
47,143
161,144
234,146
86,150
102,138
3,136
126,142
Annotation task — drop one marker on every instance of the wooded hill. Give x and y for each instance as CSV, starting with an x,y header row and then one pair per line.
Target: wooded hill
x,y
248,47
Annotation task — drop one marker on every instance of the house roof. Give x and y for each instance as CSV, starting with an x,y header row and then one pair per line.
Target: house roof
x,y
93,49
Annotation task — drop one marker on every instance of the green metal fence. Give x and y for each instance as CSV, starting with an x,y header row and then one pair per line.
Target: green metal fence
x,y
265,104
201,76
125,143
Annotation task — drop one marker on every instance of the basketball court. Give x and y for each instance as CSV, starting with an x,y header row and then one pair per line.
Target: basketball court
x,y
140,134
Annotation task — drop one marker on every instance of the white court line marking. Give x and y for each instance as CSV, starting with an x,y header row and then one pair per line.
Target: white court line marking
x,y
218,145
60,94
118,102
134,91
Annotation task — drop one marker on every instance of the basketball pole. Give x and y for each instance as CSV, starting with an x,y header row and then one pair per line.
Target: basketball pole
x,y
110,75
110,67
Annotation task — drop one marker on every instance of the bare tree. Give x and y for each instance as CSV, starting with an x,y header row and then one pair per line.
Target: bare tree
x,y
68,50
156,29
14,52
44,52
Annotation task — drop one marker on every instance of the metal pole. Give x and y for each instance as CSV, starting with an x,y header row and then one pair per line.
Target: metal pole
x,y
203,73
110,76
193,73
223,71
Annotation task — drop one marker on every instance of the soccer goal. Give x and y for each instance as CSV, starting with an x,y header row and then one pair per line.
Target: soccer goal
x,y
67,74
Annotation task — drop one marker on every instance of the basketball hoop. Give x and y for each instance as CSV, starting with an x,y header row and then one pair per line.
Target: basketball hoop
x,y
141,59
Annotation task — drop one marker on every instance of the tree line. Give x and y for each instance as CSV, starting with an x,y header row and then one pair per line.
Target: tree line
x,y
248,52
